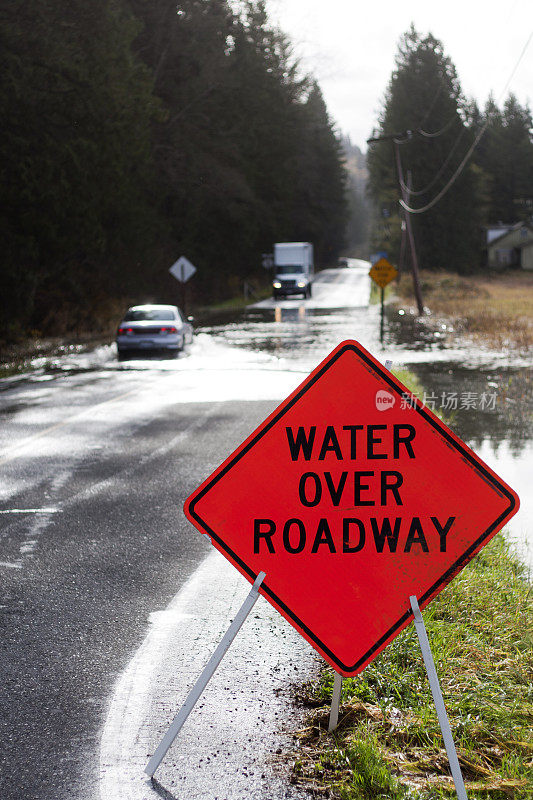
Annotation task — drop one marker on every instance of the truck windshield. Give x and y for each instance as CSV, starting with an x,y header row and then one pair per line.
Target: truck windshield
x,y
289,269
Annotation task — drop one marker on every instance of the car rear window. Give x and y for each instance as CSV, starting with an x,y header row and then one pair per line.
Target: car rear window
x,y
138,315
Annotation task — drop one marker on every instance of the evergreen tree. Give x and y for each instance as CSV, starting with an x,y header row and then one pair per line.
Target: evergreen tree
x,y
425,108
357,228
236,153
74,156
136,130
505,154
320,202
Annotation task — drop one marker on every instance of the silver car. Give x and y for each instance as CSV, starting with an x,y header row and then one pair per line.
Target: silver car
x,y
153,328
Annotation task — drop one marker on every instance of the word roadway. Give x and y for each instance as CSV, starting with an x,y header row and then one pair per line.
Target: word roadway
x,y
352,535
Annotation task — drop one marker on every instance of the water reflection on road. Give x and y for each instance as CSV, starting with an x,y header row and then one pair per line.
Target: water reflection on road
x,y
501,433
486,396
266,350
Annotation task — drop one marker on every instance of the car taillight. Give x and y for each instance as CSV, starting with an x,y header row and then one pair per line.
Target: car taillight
x,y
172,329
122,331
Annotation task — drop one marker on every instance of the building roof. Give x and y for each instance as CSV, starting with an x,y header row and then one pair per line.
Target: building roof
x,y
511,229
493,231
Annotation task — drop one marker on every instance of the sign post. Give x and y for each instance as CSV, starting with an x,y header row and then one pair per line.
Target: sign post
x,y
182,270
382,273
437,699
335,702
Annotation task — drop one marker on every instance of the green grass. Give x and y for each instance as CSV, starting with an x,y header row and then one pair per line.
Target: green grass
x,y
389,744
9,370
236,302
410,381
375,293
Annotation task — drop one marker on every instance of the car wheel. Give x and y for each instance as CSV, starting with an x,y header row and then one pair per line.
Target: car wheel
x,y
309,290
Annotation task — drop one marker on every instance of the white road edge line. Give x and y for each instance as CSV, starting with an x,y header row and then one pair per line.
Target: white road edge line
x,y
121,765
30,511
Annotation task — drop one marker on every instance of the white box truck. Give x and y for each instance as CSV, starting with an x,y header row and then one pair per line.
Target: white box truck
x,y
293,269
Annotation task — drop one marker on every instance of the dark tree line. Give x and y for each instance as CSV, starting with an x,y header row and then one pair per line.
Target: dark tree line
x,y
357,228
139,130
426,117
505,157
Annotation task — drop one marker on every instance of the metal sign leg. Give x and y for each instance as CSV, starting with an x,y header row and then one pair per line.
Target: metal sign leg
x,y
437,699
335,702
381,322
205,677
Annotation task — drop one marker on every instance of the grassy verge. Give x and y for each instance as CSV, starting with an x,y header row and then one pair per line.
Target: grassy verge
x,y
236,303
496,309
388,743
17,352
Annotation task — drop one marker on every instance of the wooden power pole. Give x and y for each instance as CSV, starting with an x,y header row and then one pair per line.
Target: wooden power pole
x,y
405,197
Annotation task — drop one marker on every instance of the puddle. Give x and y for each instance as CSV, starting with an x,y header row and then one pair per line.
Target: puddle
x,y
491,410
486,396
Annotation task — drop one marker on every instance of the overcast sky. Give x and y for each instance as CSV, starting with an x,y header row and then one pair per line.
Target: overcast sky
x,y
350,47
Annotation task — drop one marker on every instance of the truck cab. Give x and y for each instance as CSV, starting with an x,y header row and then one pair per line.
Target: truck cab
x,y
293,269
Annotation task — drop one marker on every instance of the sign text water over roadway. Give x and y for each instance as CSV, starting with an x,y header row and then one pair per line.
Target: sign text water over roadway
x,y
350,507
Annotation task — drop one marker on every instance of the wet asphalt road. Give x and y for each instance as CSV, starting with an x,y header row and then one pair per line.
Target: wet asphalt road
x,y
96,460
114,548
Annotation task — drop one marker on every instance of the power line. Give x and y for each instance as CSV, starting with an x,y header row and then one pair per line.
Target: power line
x,y
442,130
441,169
406,136
471,149
429,109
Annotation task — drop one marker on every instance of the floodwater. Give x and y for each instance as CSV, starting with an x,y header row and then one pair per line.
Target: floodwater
x,y
75,419
486,396
265,351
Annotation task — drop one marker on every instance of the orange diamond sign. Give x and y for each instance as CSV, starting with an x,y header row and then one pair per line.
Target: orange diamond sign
x,y
351,497
383,272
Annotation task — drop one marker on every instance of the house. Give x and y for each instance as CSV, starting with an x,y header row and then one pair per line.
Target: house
x,y
510,246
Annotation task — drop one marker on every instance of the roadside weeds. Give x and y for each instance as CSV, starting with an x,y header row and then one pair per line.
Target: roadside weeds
x,y
388,743
496,309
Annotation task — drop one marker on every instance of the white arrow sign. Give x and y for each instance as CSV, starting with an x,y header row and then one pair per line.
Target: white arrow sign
x,y
182,270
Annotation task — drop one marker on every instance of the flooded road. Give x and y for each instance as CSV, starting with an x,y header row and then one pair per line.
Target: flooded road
x,y
485,396
96,459
263,352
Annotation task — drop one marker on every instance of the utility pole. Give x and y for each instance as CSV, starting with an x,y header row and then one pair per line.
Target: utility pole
x,y
405,196
401,261
394,137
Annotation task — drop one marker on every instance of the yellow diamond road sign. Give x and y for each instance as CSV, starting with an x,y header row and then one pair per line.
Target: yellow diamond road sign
x,y
382,272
